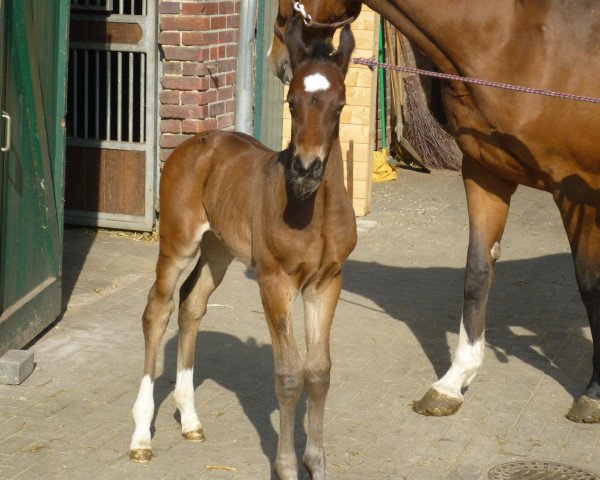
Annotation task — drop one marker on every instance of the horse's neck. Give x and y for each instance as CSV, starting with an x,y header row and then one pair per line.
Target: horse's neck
x,y
450,33
334,172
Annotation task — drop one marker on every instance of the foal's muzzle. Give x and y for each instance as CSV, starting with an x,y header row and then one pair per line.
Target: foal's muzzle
x,y
305,179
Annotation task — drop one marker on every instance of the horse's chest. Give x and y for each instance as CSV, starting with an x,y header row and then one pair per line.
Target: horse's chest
x,y
316,252
292,249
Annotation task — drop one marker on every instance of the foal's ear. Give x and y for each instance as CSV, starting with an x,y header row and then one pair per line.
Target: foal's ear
x,y
345,48
293,39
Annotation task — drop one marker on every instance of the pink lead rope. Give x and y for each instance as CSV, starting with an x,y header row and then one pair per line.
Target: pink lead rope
x,y
372,63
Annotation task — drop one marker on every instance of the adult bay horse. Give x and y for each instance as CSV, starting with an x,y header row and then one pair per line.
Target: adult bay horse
x,y
507,139
286,214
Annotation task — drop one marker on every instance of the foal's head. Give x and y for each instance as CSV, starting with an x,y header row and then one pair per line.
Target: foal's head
x,y
316,97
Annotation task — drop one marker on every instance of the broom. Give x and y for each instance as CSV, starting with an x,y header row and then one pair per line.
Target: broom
x,y
437,148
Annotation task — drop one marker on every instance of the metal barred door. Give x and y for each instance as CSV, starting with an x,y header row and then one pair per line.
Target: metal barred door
x,y
33,65
111,123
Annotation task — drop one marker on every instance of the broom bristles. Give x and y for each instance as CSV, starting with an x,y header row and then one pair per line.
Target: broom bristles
x,y
436,146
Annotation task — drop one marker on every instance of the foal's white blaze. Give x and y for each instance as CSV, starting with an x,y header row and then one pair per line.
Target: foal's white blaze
x,y
184,397
143,409
466,362
316,82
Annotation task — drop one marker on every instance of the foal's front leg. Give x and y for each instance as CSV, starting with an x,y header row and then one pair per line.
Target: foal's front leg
x,y
488,201
278,293
319,308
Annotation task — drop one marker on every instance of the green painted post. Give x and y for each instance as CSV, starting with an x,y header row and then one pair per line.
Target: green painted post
x,y
268,90
382,86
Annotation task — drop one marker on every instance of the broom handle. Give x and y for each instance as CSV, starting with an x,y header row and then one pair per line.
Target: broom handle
x,y
396,87
398,92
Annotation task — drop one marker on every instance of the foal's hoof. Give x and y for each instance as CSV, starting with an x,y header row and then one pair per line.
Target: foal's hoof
x,y
140,455
437,404
195,435
585,410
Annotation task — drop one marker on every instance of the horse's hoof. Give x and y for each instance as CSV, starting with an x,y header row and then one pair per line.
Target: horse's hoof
x,y
585,410
195,435
140,455
437,404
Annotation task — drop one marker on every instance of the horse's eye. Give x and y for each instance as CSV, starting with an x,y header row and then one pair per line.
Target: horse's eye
x,y
339,109
291,106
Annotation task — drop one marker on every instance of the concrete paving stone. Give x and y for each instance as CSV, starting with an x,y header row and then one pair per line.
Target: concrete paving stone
x,y
122,469
35,454
16,443
41,469
8,472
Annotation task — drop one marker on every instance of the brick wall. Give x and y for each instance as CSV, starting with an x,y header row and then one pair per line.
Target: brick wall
x,y
198,39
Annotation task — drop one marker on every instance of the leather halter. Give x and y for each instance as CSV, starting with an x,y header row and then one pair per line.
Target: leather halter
x,y
309,22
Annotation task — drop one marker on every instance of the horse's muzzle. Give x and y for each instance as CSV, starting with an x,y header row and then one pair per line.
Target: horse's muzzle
x,y
284,72
313,171
305,180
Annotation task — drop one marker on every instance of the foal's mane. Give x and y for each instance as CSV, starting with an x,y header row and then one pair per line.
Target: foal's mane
x,y
319,51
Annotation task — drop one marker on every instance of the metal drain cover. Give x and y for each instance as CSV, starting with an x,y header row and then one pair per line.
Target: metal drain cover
x,y
539,471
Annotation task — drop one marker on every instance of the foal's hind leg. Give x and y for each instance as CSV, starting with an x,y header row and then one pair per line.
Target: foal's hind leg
x,y
580,210
156,316
319,308
194,293
488,201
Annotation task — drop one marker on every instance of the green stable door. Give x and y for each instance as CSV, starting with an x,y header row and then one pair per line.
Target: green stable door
x,y
33,72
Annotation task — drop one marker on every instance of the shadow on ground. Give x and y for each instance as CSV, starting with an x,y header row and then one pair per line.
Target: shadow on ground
x,y
77,244
244,368
537,296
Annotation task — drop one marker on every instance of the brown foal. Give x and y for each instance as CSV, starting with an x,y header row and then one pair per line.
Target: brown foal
x,y
286,214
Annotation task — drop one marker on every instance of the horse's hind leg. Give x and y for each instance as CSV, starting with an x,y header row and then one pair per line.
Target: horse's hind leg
x,y
194,293
488,201
156,316
580,210
319,308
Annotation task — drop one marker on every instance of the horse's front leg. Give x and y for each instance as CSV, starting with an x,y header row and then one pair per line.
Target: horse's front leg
x,y
580,210
488,201
277,294
319,308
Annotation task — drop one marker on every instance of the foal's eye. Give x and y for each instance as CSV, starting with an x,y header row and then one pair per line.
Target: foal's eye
x,y
291,106
339,109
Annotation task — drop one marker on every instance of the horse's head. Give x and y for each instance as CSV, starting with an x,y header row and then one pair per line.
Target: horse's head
x,y
316,97
326,16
